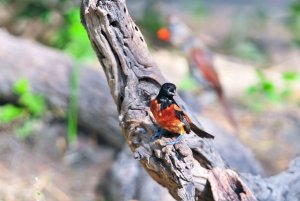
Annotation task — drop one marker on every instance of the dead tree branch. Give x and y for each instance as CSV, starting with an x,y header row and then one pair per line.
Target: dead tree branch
x,y
131,182
190,171
48,72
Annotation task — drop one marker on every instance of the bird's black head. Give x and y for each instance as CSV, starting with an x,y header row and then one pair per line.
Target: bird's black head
x,y
167,90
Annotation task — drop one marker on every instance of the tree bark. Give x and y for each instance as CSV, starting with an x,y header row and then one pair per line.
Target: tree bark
x,y
130,182
190,171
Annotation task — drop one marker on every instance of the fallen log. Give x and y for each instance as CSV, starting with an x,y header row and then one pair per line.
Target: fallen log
x,y
49,72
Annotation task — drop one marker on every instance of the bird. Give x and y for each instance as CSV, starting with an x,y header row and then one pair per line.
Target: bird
x,y
199,57
170,117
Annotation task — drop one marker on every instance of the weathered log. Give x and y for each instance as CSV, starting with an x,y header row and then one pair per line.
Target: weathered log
x,y
129,182
39,64
49,72
19,58
184,169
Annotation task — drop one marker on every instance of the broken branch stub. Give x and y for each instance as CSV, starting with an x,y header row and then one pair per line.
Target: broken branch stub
x,y
134,78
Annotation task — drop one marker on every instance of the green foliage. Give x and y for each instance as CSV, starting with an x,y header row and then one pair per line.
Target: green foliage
x,y
72,37
63,19
197,8
188,83
29,107
9,113
293,22
265,93
32,9
34,103
73,105
240,41
248,50
68,35
290,76
21,86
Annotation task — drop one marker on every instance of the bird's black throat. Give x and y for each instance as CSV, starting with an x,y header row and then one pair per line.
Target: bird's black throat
x,y
165,95
164,101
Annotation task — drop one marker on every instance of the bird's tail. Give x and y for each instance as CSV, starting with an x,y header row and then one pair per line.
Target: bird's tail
x,y
201,133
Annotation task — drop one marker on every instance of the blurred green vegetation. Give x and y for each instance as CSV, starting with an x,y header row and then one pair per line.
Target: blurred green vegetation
x,y
269,94
9,112
72,37
197,9
73,105
241,41
28,109
59,21
294,21
34,103
150,23
63,30
188,83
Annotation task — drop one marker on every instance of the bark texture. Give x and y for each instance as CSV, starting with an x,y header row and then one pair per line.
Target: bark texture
x,y
131,182
134,79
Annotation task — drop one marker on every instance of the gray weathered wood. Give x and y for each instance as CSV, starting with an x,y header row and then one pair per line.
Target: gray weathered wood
x,y
283,186
129,182
134,79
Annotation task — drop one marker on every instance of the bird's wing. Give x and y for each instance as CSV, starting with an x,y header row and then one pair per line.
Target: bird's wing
x,y
183,118
192,122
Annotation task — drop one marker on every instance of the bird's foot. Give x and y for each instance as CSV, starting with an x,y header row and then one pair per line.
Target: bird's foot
x,y
177,140
157,134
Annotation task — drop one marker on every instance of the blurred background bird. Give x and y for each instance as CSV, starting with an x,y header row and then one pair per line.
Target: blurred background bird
x,y
199,57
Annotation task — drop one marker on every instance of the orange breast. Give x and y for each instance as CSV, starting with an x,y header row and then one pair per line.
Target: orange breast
x,y
167,118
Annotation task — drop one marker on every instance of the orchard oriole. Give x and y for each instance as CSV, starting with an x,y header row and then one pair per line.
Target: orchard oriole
x,y
171,117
